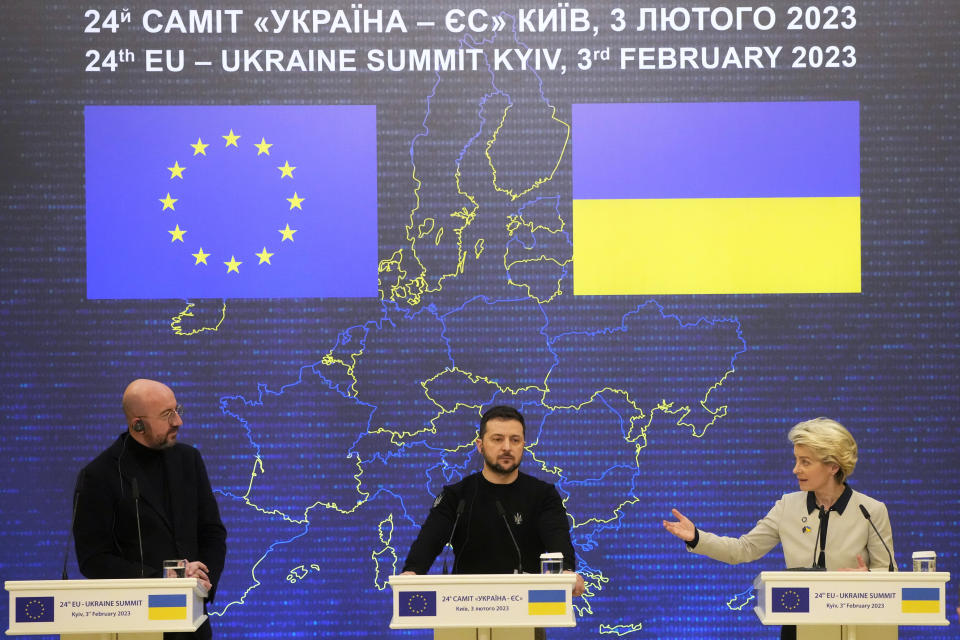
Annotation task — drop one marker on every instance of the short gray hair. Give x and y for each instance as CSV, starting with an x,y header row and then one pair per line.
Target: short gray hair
x,y
830,442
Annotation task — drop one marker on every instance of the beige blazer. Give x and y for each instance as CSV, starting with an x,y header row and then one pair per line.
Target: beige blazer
x,y
791,524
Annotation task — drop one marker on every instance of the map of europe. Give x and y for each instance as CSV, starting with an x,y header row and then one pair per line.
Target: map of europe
x,y
336,467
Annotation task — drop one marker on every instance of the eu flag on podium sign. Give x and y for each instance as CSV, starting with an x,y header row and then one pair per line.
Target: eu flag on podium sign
x,y
418,603
35,609
790,600
231,201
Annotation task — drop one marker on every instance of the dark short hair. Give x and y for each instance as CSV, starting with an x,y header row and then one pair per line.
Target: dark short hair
x,y
501,412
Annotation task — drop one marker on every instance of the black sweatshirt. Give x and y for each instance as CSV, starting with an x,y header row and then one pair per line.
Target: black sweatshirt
x,y
481,543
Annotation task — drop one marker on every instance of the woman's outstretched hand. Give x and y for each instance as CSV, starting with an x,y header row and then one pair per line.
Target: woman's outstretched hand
x,y
682,528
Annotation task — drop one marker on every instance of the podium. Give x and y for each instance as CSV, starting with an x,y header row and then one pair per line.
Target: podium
x,y
483,607
845,605
139,609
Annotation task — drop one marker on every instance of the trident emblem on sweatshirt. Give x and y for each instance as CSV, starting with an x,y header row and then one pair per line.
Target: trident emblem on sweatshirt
x,y
518,519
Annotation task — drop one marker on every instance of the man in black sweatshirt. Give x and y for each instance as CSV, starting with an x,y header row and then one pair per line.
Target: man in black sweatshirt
x,y
489,506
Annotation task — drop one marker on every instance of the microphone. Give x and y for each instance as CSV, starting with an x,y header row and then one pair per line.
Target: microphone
x,y
503,514
822,561
136,500
866,514
77,488
460,506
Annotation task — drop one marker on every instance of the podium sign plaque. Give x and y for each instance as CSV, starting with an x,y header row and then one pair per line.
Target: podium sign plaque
x,y
142,608
482,602
859,604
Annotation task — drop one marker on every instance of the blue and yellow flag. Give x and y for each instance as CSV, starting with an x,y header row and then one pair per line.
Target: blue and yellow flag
x,y
35,609
418,603
920,600
231,202
790,600
167,606
546,602
716,198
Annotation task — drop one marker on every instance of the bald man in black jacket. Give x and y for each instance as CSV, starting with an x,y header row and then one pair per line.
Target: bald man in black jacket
x,y
178,512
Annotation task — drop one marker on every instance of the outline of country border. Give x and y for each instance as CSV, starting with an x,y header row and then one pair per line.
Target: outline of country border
x,y
421,267
395,474
398,354
274,591
597,463
239,575
692,360
415,276
519,356
294,474
586,441
210,321
452,388
455,430
537,256
619,629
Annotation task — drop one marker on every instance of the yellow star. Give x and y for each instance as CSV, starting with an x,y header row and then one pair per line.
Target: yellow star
x,y
200,256
177,234
295,202
263,147
287,233
168,202
264,256
199,149
231,139
286,171
176,171
232,265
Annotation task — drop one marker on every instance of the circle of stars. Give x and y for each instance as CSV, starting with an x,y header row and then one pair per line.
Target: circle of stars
x,y
794,601
231,139
417,603
34,609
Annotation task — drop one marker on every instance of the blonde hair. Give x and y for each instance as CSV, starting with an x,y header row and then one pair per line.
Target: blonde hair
x,y
830,442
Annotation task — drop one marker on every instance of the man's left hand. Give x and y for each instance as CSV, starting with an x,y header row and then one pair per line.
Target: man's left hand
x,y
579,587
198,570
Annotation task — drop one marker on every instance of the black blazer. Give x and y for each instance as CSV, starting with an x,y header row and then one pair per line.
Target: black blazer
x,y
105,526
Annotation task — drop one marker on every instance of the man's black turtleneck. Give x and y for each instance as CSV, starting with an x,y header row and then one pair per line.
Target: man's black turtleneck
x,y
153,468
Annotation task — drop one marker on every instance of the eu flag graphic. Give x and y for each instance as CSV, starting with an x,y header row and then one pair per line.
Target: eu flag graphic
x,y
790,600
34,609
231,202
418,603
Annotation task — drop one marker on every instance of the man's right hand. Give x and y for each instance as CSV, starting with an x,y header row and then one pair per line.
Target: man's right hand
x,y
199,571
682,528
409,573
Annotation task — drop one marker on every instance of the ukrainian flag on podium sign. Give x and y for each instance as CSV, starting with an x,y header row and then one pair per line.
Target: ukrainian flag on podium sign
x,y
920,600
546,602
172,606
716,198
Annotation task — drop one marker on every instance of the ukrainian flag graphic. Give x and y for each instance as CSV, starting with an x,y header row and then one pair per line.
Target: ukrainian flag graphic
x,y
920,600
167,607
716,198
546,602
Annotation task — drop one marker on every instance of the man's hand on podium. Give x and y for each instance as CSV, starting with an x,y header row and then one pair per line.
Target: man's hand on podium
x,y
579,587
197,569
